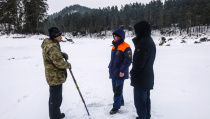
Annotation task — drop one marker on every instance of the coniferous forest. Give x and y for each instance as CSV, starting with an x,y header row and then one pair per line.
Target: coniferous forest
x,y
30,16
23,16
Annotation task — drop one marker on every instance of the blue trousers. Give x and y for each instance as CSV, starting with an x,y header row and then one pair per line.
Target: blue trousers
x,y
142,103
117,85
55,101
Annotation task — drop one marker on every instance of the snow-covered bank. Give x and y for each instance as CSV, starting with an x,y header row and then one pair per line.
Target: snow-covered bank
x,y
181,89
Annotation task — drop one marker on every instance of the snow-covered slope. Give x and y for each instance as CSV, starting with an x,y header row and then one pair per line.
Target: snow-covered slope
x,y
181,89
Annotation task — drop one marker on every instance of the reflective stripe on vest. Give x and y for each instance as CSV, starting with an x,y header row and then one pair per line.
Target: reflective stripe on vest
x,y
122,46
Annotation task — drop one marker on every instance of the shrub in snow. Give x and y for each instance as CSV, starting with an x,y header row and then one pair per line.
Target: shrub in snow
x,y
69,40
162,41
183,41
184,37
41,38
197,42
63,40
168,44
203,39
170,39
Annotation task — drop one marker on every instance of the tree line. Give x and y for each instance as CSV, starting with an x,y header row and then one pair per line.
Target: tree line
x,y
23,16
30,16
183,14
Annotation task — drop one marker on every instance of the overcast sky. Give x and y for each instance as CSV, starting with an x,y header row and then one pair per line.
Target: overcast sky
x,y
57,5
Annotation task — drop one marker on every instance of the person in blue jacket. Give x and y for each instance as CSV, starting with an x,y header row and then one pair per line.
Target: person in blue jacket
x,y
121,58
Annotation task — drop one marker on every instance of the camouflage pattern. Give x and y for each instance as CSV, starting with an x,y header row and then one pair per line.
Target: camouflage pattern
x,y
55,66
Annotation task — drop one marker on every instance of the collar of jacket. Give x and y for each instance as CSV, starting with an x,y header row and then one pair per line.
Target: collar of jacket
x,y
55,42
116,44
137,40
122,47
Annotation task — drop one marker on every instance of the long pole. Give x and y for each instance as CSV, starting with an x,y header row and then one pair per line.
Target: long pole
x,y
79,91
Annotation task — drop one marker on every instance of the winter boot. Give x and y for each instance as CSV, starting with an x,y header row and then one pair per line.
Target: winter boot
x,y
114,111
62,115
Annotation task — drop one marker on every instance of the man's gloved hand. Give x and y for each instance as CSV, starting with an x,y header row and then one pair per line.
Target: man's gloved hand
x,y
65,56
70,66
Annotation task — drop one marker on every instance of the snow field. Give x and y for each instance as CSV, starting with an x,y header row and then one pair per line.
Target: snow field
x,y
181,88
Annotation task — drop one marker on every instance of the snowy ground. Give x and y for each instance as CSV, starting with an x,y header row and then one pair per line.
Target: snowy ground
x,y
182,81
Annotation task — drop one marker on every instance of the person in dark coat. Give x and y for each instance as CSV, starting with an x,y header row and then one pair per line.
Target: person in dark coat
x,y
121,58
142,74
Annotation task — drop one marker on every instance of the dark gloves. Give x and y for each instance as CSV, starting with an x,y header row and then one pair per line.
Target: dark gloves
x,y
65,56
70,66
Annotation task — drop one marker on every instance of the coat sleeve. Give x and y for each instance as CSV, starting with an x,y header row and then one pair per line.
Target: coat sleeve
x,y
56,57
127,60
110,60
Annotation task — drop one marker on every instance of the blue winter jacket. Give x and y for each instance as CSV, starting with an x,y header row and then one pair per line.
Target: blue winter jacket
x,y
121,59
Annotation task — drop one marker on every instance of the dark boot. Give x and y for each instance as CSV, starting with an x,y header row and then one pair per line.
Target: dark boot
x,y
62,115
114,111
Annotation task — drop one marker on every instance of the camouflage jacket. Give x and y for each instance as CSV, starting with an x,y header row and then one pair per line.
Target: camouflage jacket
x,y
55,66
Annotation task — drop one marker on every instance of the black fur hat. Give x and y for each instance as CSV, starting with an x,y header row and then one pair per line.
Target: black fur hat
x,y
142,29
54,32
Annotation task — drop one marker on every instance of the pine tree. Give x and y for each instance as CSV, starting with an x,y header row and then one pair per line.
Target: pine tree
x,y
8,14
35,12
2,15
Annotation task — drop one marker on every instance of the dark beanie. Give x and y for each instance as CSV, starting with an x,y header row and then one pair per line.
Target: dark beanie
x,y
54,32
142,29
120,33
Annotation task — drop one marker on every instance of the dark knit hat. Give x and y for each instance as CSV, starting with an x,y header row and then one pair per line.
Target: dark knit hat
x,y
116,35
120,33
54,32
142,29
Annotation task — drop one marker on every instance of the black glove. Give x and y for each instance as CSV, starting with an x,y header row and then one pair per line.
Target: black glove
x,y
70,66
65,56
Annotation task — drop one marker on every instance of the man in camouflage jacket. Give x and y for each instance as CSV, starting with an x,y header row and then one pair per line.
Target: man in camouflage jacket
x,y
55,70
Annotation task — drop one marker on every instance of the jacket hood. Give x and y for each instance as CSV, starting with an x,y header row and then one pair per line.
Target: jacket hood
x,y
119,32
45,42
135,41
142,29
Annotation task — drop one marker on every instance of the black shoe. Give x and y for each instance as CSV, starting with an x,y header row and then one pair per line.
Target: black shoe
x,y
62,115
114,111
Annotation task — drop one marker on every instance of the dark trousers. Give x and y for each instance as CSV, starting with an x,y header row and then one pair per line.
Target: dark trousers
x,y
142,103
55,101
117,86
